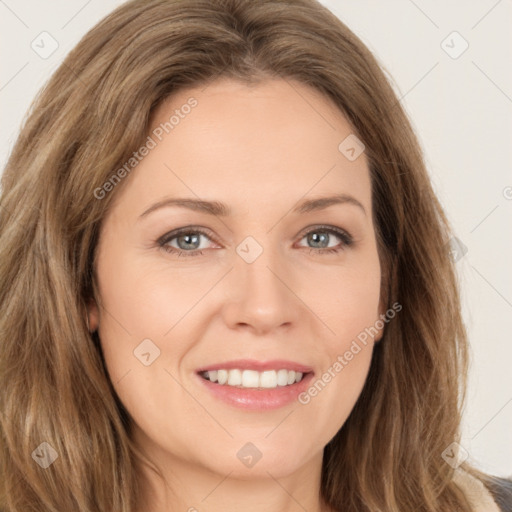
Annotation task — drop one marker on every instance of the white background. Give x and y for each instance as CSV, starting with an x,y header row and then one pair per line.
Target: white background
x,y
461,109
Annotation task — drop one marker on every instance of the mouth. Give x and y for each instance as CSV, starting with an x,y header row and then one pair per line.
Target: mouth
x,y
255,385
269,379
250,373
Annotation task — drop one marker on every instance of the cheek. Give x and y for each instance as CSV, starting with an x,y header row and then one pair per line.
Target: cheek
x,y
348,304
346,355
147,309
140,306
347,301
145,300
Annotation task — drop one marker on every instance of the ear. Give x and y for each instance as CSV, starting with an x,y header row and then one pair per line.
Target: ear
x,y
93,315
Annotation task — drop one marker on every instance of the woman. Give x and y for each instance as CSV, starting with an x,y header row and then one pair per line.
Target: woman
x,y
309,356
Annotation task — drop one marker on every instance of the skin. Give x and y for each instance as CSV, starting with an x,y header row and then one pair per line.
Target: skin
x,y
260,150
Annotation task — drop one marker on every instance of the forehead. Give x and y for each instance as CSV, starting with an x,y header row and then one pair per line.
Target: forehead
x,y
278,140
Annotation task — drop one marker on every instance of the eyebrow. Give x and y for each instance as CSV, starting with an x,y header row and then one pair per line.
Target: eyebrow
x,y
222,210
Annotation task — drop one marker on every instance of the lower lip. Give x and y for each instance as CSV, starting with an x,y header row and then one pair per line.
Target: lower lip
x,y
257,399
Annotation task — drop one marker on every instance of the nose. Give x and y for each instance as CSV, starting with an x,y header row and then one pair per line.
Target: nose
x,y
262,296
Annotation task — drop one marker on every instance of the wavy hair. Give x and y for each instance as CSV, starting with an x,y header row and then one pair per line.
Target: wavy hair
x,y
84,124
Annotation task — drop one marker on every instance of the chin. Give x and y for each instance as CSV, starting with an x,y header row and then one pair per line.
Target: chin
x,y
257,458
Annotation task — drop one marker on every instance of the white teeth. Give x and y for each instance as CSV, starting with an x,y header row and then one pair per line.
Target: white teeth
x,y
254,379
234,378
268,379
282,377
250,379
222,376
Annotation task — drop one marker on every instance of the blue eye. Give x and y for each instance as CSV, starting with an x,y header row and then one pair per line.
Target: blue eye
x,y
326,232
188,240
184,237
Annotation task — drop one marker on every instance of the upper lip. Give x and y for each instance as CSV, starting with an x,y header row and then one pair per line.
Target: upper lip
x,y
260,366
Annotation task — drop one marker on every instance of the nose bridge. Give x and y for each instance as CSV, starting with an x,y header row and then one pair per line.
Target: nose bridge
x,y
262,298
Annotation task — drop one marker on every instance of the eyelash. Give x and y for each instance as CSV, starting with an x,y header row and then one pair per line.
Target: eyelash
x,y
162,242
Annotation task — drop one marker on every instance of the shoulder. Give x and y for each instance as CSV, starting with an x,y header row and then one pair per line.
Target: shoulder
x,y
493,495
501,491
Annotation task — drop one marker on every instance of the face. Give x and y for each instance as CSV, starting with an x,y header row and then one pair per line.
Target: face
x,y
273,285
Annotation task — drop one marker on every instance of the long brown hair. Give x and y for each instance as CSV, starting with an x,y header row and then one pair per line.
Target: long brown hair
x,y
83,126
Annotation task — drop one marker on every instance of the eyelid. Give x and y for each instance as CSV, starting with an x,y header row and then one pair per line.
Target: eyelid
x,y
326,227
343,235
187,229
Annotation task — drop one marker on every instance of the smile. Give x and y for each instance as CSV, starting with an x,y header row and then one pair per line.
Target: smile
x,y
253,379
